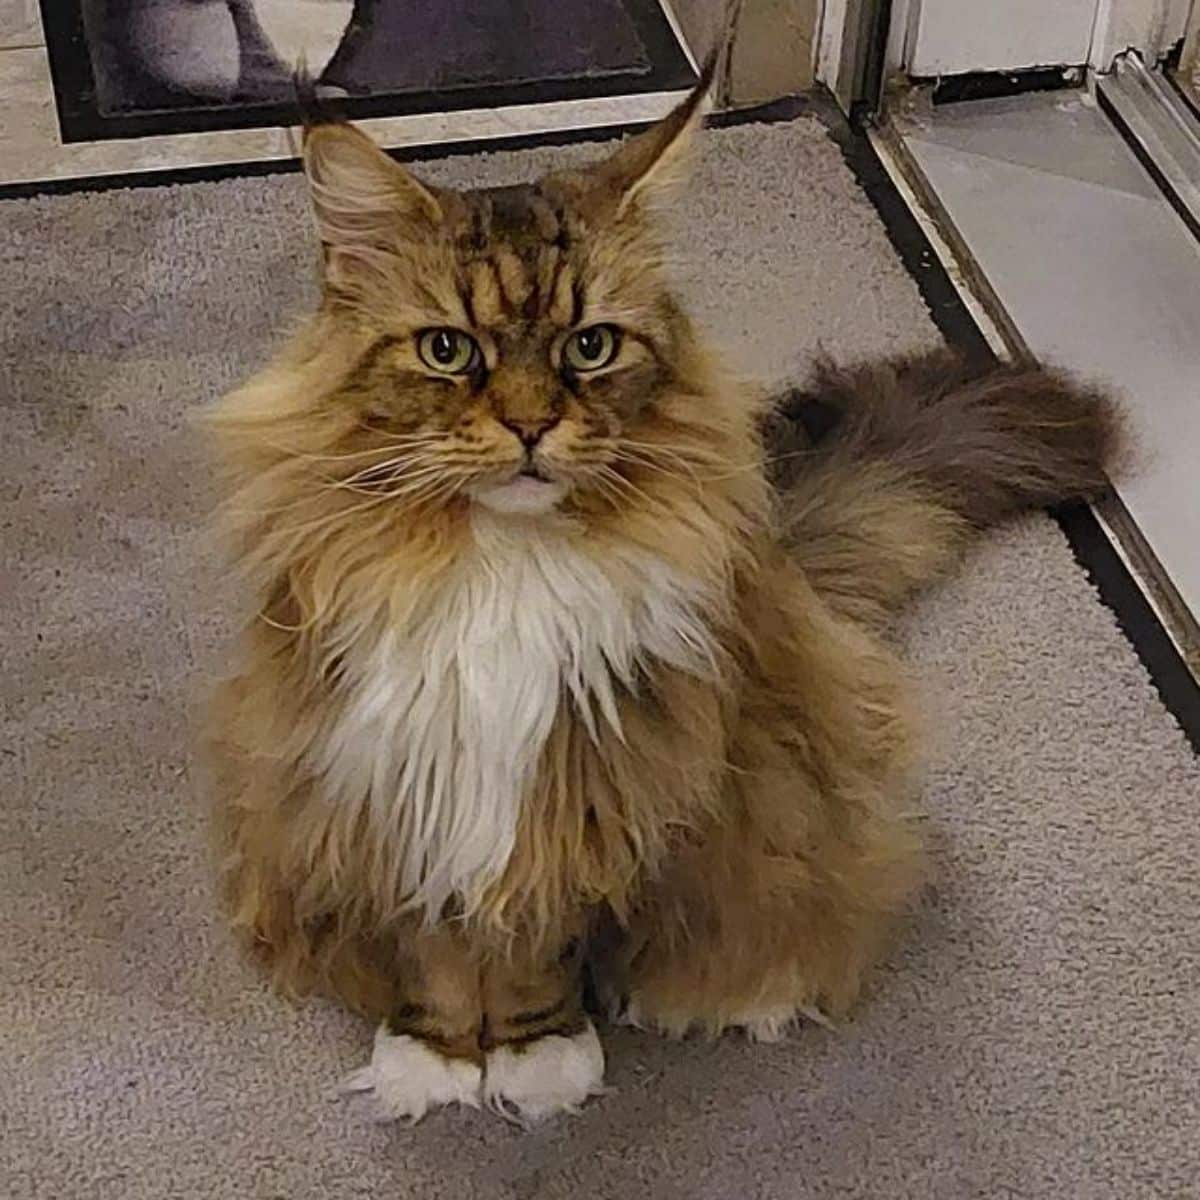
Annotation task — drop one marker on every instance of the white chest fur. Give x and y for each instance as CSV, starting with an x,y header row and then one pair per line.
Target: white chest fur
x,y
444,721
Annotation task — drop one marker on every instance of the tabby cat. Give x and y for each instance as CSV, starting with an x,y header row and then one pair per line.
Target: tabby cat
x,y
568,662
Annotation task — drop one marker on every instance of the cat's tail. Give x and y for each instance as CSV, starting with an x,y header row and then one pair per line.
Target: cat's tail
x,y
887,468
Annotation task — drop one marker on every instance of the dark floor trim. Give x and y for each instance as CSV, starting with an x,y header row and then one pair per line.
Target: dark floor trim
x,y
170,177
994,85
1184,93
949,313
787,109
1119,591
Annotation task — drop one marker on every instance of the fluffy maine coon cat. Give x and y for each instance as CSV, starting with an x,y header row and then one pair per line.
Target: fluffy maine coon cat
x,y
569,654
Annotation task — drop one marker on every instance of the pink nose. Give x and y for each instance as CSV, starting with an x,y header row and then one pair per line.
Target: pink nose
x,y
530,431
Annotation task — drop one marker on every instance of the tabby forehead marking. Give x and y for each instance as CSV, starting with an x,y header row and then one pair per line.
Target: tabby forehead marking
x,y
487,300
515,282
518,267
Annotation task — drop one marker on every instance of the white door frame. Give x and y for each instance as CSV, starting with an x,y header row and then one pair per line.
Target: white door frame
x,y
1151,26
839,46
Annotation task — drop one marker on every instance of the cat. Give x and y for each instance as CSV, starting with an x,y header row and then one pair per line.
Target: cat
x,y
570,656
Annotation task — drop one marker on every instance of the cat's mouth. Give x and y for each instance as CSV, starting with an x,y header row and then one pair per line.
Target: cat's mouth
x,y
529,492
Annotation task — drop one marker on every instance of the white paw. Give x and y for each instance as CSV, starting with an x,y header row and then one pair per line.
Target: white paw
x,y
408,1078
552,1075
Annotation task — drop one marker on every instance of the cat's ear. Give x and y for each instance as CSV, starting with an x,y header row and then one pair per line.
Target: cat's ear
x,y
364,201
650,167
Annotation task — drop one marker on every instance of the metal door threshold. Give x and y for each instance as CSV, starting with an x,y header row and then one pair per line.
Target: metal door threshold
x,y
1160,126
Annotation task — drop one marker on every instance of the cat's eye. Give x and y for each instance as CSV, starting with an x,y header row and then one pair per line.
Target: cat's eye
x,y
448,351
592,348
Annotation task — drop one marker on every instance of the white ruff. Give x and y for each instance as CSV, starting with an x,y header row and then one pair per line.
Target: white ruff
x,y
444,720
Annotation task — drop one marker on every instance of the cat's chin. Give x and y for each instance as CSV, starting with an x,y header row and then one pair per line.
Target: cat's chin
x,y
523,496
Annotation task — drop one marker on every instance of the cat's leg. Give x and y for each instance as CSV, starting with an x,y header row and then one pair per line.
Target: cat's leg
x,y
746,931
543,1054
777,905
420,985
427,1049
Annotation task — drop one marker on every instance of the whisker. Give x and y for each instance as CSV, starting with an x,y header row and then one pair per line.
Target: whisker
x,y
635,460
411,494
395,442
598,476
656,450
401,461
375,429
435,491
761,464
340,515
330,483
413,489
715,476
617,478
406,488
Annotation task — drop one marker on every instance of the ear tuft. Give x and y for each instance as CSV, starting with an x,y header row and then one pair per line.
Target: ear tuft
x,y
363,200
651,166
309,105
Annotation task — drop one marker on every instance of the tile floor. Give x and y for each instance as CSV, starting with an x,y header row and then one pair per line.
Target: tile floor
x,y
1098,273
30,149
20,23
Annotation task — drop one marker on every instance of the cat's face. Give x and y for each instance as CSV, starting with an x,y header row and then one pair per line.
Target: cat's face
x,y
517,343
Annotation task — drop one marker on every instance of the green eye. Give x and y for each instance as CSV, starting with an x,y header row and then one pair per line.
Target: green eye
x,y
449,351
592,348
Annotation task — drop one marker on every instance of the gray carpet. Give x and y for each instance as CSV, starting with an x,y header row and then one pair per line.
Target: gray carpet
x,y
1035,1033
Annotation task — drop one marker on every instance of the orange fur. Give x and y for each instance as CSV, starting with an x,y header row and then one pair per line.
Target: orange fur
x,y
715,786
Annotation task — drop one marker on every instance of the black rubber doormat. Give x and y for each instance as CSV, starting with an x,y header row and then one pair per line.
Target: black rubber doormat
x,y
127,68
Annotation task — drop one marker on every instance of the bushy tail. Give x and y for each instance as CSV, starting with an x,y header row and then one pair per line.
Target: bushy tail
x,y
886,468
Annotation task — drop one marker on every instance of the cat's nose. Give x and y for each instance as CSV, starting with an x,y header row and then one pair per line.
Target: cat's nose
x,y
530,430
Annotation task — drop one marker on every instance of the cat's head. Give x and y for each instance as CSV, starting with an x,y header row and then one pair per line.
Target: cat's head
x,y
516,348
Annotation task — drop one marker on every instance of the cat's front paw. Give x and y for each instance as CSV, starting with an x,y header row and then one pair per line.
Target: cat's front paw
x,y
407,1078
528,1083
